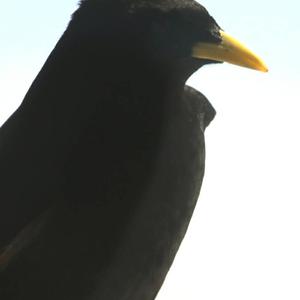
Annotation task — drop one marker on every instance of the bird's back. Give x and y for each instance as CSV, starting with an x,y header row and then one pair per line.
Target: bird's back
x,y
99,250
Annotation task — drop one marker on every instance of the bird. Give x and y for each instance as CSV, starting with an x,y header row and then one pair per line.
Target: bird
x,y
102,164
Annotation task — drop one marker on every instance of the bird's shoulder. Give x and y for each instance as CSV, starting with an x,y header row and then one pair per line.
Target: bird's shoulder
x,y
199,105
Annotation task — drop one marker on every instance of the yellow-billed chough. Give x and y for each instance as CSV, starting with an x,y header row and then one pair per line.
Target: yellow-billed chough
x,y
101,165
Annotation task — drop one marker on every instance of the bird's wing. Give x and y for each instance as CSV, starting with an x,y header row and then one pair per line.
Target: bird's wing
x,y
11,250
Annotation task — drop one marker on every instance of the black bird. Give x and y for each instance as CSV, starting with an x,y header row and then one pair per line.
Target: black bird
x,y
101,165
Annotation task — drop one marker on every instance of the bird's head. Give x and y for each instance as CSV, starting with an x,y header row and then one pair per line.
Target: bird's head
x,y
178,35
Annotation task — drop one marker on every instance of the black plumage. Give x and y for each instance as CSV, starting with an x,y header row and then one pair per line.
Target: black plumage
x,y
102,163
121,246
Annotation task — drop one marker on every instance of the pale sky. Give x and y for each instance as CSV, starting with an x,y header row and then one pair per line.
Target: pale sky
x,y
244,239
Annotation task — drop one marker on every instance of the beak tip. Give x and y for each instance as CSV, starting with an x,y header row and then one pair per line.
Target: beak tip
x,y
264,69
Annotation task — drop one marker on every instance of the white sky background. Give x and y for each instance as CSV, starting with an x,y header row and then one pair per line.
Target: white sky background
x,y
243,242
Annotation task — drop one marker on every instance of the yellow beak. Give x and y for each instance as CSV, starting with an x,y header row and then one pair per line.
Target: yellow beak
x,y
229,50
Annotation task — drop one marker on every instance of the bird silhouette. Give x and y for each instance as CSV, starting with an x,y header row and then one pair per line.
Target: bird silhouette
x,y
102,163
